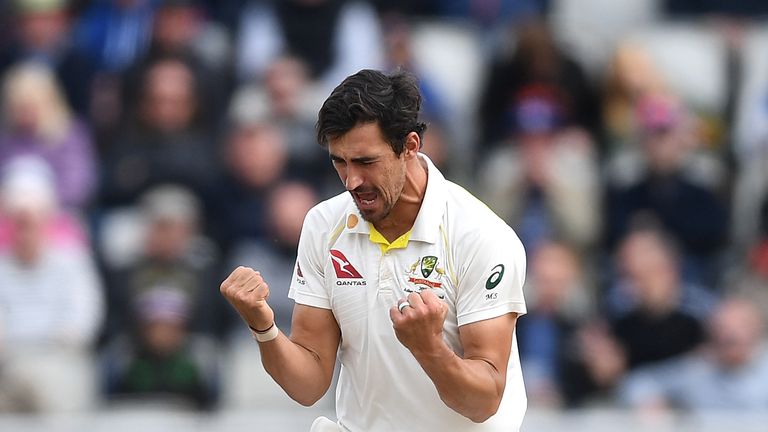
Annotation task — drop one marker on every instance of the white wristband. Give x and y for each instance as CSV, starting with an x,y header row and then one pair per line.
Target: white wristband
x,y
267,335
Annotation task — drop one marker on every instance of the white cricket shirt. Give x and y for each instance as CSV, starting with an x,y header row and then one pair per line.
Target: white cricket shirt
x,y
458,248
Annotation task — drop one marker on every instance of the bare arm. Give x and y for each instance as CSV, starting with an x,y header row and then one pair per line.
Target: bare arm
x,y
473,385
302,364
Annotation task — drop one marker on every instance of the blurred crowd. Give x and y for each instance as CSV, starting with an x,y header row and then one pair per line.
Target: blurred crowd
x,y
147,147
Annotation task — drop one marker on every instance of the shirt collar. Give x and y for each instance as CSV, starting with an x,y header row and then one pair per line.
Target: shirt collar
x,y
426,228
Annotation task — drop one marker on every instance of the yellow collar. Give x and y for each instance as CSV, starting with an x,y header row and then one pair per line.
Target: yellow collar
x,y
376,237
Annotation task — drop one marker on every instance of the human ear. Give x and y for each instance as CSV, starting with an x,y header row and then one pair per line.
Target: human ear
x,y
412,145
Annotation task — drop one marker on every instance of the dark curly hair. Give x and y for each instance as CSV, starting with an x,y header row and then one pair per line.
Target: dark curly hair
x,y
393,101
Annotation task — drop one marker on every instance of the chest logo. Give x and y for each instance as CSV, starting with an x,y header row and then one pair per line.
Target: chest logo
x,y
424,274
427,265
343,268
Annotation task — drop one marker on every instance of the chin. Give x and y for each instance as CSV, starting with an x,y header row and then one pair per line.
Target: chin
x,y
370,216
373,216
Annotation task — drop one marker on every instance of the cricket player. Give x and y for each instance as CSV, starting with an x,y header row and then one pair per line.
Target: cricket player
x,y
408,279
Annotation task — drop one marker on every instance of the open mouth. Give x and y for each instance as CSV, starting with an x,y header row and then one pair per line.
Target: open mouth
x,y
365,199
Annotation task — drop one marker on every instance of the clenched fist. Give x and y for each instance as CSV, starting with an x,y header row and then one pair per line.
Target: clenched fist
x,y
419,324
246,290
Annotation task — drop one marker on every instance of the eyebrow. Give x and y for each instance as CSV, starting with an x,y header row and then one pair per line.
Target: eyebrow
x,y
362,159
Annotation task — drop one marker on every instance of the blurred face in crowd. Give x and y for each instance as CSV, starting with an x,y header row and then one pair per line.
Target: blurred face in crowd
x,y
555,272
285,80
666,148
32,101
288,206
169,101
176,26
634,72
370,169
168,238
42,30
257,154
666,132
397,41
652,270
30,227
735,333
164,337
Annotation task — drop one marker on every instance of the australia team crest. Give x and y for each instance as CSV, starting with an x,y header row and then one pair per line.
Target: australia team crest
x,y
428,264
425,273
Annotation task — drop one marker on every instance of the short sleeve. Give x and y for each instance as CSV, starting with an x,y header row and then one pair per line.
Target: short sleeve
x,y
491,275
308,281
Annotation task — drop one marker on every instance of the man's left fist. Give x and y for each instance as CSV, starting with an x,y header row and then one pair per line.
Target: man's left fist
x,y
418,320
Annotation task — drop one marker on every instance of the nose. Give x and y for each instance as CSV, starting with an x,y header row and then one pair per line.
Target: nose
x,y
353,180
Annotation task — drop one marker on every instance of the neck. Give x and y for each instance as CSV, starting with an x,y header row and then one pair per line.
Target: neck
x,y
403,214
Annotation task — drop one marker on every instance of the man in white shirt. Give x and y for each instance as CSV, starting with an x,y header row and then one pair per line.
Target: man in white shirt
x,y
413,282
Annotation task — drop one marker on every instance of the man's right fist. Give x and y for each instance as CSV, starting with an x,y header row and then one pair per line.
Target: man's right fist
x,y
246,290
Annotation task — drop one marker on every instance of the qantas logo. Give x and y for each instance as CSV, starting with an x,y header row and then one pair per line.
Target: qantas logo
x,y
342,266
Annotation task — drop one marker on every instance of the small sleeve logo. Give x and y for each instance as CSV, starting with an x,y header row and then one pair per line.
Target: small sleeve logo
x,y
497,272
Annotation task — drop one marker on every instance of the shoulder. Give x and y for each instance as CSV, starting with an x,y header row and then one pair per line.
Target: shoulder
x,y
470,215
329,211
473,225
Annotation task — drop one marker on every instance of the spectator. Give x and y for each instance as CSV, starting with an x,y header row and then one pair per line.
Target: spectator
x,y
166,142
333,37
173,255
544,182
180,27
652,315
50,298
593,366
559,303
163,362
256,158
288,204
536,61
180,31
38,122
671,184
638,251
653,277
41,34
631,75
728,374
286,99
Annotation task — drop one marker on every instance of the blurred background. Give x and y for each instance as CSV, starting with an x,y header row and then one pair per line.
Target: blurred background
x,y
147,147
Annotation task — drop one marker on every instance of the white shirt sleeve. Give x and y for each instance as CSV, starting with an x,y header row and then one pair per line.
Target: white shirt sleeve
x,y
491,273
308,282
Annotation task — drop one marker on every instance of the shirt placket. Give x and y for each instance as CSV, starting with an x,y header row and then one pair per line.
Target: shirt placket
x,y
387,287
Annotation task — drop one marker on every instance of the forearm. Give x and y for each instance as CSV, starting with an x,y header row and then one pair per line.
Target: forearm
x,y
302,364
473,387
298,370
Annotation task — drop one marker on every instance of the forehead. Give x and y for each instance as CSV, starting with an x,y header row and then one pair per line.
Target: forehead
x,y
363,139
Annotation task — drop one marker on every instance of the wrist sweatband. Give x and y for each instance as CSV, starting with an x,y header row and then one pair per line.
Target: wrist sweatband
x,y
265,335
